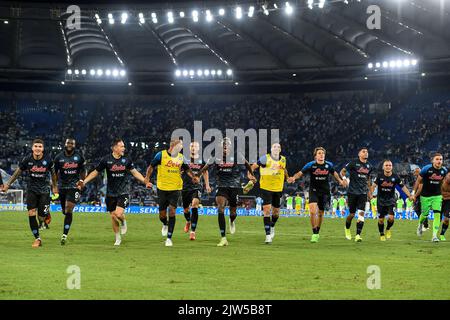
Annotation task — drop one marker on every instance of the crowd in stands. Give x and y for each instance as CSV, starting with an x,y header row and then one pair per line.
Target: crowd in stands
x,y
406,133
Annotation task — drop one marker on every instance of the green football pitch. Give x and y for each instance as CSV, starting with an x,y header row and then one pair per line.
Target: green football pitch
x,y
291,268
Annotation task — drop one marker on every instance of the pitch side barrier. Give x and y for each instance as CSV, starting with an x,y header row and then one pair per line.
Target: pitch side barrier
x,y
208,211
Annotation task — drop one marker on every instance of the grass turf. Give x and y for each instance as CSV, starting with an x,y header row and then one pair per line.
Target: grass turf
x,y
290,268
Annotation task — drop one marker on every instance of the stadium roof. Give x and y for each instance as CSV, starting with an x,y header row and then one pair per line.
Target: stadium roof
x,y
315,45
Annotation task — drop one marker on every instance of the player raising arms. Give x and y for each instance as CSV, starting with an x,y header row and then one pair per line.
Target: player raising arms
x,y
445,205
358,191
117,167
169,164
272,176
386,183
228,180
39,166
430,180
192,191
69,166
319,188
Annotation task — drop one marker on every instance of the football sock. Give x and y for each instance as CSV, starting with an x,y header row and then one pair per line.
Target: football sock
x,y
389,224
34,226
67,222
163,220
274,220
194,219
187,215
222,224
381,228
348,222
359,227
436,222
267,225
171,227
444,228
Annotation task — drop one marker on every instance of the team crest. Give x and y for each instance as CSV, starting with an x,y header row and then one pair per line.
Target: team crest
x,y
44,163
123,160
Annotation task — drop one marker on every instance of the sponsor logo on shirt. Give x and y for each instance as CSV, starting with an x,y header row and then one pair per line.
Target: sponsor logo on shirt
x,y
319,172
172,164
195,166
387,184
226,165
70,165
38,169
276,166
117,167
363,170
435,176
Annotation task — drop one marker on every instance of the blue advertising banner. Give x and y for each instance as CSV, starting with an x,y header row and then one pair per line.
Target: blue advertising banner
x,y
209,211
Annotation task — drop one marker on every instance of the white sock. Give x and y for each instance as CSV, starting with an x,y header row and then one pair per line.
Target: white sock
x,y
118,236
124,223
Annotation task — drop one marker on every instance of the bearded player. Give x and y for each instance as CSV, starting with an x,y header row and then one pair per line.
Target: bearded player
x,y
69,166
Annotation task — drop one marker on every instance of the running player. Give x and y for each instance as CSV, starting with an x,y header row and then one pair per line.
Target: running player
x,y
373,204
358,191
69,166
430,179
169,164
335,206
38,165
445,205
273,173
191,193
386,182
228,175
117,167
342,205
319,188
